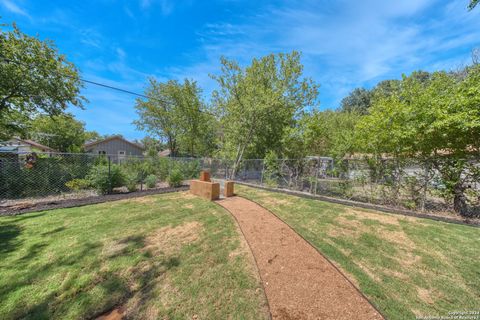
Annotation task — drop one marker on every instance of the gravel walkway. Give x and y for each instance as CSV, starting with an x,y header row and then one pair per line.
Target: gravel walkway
x,y
299,282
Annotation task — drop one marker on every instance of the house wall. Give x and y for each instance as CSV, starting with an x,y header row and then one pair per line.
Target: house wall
x,y
113,146
22,147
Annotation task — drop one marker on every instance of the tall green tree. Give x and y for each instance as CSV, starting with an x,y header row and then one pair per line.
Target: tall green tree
x,y
473,4
61,132
329,133
197,122
34,79
92,136
151,145
175,113
258,103
385,88
359,100
437,122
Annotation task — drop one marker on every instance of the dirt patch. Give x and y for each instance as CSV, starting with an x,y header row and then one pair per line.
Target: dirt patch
x,y
276,201
299,282
380,217
136,305
424,295
114,248
371,273
348,228
188,195
168,240
141,200
115,314
399,238
396,274
408,259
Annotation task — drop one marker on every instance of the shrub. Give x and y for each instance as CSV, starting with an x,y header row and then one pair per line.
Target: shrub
x,y
99,178
162,168
271,170
345,188
175,178
131,180
151,181
77,184
190,169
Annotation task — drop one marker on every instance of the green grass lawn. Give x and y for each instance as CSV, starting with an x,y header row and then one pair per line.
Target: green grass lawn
x,y
169,256
406,266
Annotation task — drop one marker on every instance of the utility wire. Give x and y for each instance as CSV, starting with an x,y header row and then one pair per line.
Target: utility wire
x,y
85,80
7,60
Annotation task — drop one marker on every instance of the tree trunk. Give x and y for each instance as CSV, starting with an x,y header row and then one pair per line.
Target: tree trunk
x,y
172,145
240,151
238,159
459,200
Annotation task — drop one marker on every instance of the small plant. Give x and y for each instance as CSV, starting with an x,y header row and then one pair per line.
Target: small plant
x,y
151,181
175,178
131,180
271,170
346,188
409,204
77,184
103,181
190,169
413,191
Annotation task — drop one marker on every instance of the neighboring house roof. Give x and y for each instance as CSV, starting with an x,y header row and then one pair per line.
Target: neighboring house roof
x,y
91,144
8,149
30,143
164,153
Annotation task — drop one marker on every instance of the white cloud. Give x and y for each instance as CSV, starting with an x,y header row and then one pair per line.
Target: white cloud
x,y
166,6
90,37
121,54
347,44
14,8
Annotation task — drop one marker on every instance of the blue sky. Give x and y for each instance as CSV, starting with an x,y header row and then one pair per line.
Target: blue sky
x,y
345,44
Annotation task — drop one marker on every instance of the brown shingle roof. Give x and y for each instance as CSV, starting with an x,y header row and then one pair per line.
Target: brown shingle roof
x,y
35,144
90,144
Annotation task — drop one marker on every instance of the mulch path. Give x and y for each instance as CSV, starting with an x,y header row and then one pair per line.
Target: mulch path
x,y
299,282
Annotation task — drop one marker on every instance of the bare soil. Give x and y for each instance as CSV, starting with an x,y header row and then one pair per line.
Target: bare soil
x,y
115,314
299,282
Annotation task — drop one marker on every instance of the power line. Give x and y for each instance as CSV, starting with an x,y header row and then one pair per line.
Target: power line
x,y
86,81
5,59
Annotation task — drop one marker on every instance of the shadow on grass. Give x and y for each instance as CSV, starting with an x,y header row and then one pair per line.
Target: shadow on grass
x,y
51,232
80,300
33,251
8,237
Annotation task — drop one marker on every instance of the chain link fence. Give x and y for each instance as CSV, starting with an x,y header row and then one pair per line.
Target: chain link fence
x,y
408,184
51,176
400,183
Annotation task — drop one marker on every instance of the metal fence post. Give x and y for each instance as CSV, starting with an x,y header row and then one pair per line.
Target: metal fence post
x,y
316,176
263,169
425,186
109,176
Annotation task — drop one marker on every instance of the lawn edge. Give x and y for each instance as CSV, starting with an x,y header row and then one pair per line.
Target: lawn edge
x,y
72,203
252,255
325,257
362,205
